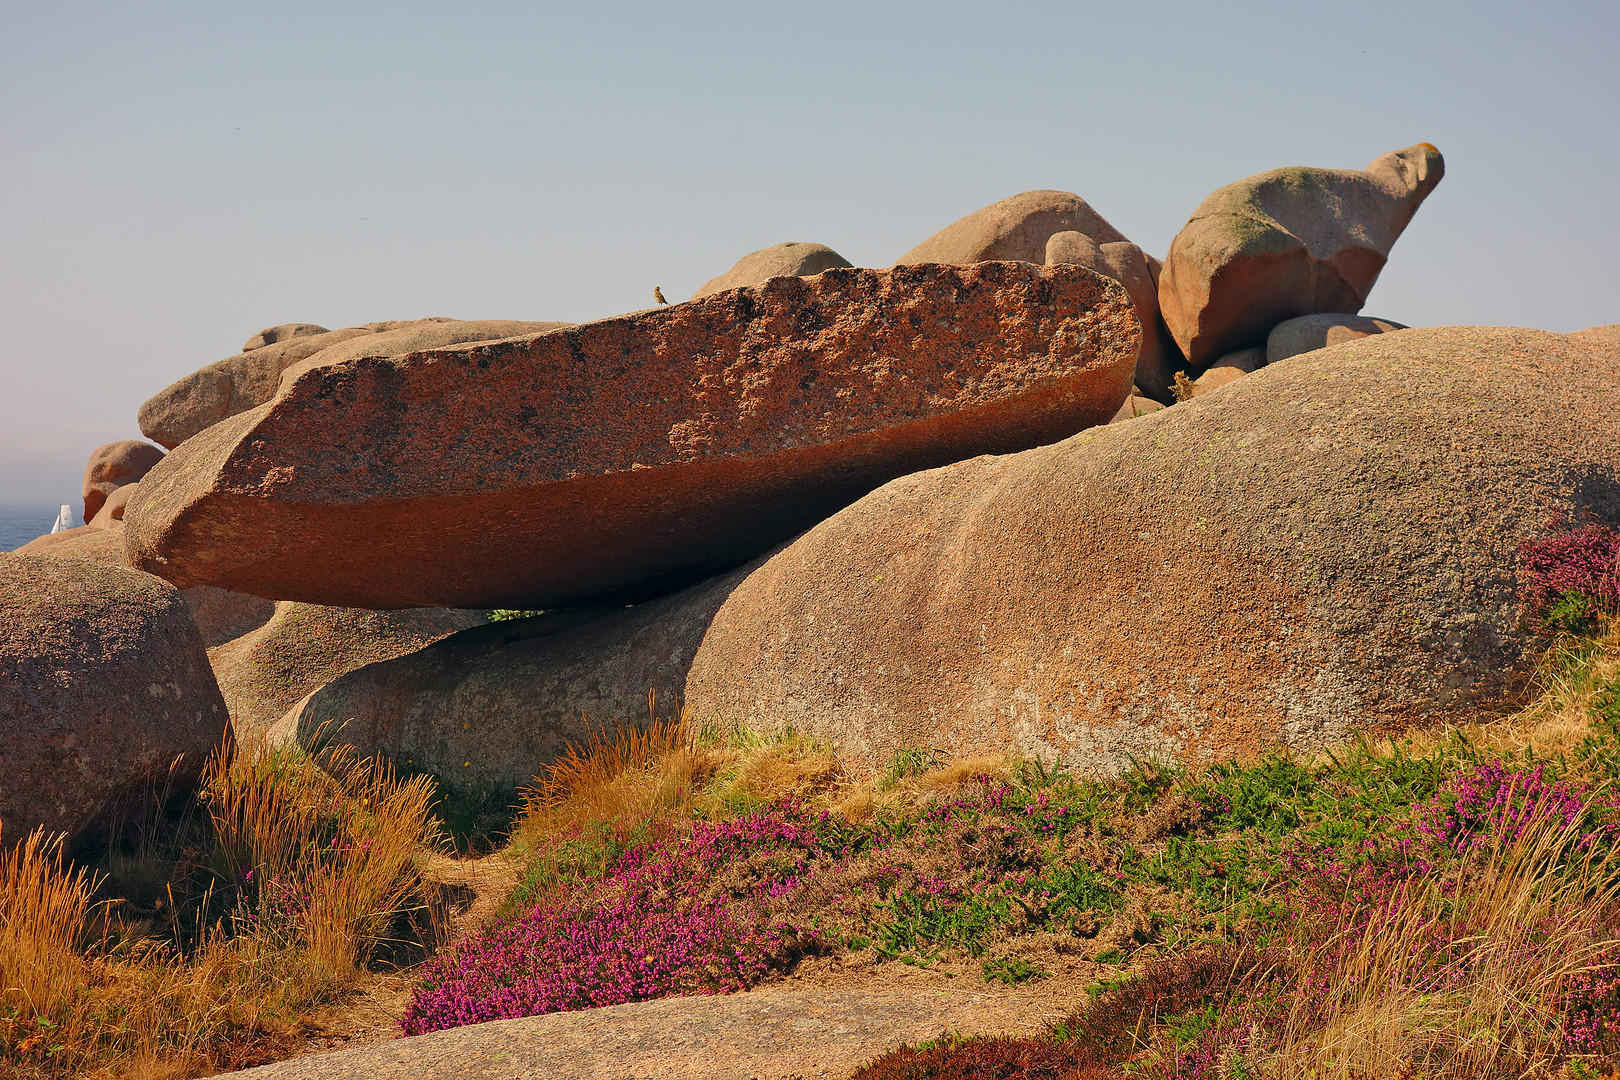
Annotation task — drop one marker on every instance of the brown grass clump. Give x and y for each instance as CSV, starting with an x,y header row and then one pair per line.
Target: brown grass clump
x,y
1521,928
309,872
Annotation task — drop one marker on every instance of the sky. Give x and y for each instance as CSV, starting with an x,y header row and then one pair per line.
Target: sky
x,y
175,177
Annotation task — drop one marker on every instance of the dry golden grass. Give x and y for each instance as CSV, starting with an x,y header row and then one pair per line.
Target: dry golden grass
x,y
320,865
1520,927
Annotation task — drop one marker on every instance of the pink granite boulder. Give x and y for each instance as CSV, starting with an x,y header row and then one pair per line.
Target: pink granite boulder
x,y
111,467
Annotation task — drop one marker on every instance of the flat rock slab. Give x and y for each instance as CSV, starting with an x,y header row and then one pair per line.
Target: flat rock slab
x,y
626,458
766,1034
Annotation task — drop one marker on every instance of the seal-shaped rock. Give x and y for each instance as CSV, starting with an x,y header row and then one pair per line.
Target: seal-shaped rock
x,y
1315,550
1284,243
626,458
103,685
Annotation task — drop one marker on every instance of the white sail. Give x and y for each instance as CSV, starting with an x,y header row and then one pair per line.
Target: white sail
x,y
64,520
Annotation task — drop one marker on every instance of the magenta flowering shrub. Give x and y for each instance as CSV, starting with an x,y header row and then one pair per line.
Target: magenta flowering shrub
x,y
1581,566
1492,805
686,913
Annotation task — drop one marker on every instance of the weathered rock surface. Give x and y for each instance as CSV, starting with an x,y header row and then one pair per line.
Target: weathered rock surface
x,y
492,705
285,332
631,456
1127,264
1014,228
303,647
240,382
112,511
792,259
1284,243
111,467
1229,369
1311,332
220,614
1318,549
103,685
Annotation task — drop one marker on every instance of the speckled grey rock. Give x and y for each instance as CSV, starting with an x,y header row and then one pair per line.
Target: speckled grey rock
x,y
1315,550
104,685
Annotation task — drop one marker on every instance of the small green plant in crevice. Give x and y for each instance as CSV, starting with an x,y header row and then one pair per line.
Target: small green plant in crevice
x,y
1012,970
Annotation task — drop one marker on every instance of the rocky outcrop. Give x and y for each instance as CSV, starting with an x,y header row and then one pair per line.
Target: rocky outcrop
x,y
792,259
250,378
104,685
1126,263
1284,243
491,706
628,457
264,672
285,332
1318,549
1311,332
220,614
1014,228
111,467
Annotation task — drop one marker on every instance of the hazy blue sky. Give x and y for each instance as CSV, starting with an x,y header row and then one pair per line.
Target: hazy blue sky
x,y
173,177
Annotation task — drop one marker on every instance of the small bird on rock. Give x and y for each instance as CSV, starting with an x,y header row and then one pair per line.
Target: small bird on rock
x,y
658,295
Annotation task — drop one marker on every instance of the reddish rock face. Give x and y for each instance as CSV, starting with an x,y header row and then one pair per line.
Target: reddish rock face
x,y
1318,549
628,457
1284,243
105,686
111,467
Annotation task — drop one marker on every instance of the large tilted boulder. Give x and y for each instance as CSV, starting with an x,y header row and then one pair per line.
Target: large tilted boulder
x,y
250,378
491,706
220,615
305,646
792,259
111,467
1288,242
1014,228
1315,550
104,685
628,457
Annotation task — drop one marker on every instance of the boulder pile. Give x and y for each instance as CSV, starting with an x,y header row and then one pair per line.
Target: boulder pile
x,y
1029,487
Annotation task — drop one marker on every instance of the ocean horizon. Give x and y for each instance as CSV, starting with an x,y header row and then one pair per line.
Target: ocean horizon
x,y
22,522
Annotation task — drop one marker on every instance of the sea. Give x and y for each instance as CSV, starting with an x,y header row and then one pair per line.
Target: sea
x,y
21,522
